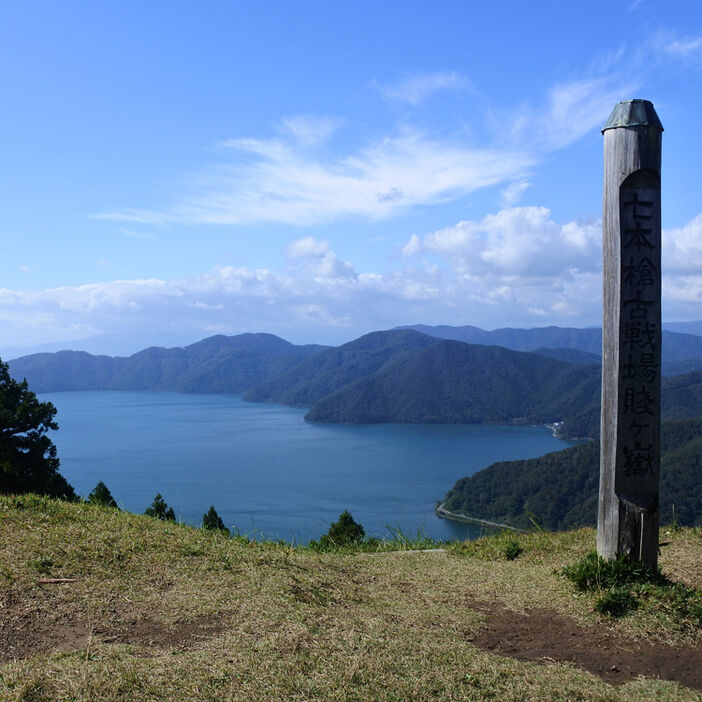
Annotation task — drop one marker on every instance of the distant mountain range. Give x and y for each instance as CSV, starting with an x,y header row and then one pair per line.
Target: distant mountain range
x,y
400,375
560,490
216,364
682,353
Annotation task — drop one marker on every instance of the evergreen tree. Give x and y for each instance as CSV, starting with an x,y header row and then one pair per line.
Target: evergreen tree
x,y
344,532
101,495
28,461
160,510
212,521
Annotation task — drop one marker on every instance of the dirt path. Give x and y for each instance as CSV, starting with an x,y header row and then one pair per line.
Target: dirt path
x,y
542,635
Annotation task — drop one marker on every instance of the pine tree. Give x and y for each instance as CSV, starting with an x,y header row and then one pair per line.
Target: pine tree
x,y
344,532
101,495
212,521
28,461
160,510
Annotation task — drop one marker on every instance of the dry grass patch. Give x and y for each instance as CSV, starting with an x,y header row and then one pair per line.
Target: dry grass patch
x,y
165,612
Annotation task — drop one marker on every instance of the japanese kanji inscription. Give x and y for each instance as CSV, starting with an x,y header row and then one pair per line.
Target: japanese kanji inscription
x,y
631,358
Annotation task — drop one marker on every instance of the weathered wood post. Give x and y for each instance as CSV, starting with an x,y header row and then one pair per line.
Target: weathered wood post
x,y
631,334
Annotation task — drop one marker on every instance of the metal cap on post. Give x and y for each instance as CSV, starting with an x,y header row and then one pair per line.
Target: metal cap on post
x,y
631,334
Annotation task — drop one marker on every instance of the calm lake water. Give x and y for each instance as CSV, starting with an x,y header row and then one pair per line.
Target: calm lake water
x,y
267,471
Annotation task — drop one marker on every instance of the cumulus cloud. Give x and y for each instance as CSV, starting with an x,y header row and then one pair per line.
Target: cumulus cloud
x,y
319,258
308,247
514,267
516,241
682,248
418,87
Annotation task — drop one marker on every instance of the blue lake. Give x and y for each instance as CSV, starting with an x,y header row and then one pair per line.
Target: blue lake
x,y
268,472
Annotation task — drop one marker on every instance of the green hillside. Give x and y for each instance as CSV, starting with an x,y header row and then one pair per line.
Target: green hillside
x,y
216,364
453,382
560,490
681,398
334,368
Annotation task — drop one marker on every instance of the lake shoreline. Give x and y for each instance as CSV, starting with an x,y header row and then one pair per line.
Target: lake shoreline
x,y
455,517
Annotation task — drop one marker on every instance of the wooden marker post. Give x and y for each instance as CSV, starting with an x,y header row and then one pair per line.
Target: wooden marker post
x,y
627,522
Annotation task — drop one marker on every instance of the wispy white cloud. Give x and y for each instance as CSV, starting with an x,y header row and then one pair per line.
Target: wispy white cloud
x,y
293,178
310,130
274,180
138,235
417,87
513,193
137,216
683,48
570,110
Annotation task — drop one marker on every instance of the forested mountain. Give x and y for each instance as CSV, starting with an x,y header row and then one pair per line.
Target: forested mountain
x,y
560,490
569,355
453,382
681,398
589,340
398,375
676,347
335,368
216,364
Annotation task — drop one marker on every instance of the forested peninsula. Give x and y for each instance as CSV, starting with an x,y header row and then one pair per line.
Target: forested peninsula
x,y
560,490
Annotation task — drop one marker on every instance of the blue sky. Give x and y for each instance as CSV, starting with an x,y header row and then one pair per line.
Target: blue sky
x,y
317,170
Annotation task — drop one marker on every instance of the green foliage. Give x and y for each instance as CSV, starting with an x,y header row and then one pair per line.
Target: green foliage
x,y
101,495
623,585
512,550
344,533
595,573
212,521
42,565
616,602
160,510
28,461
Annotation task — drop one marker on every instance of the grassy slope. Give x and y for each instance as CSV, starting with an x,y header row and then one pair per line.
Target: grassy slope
x,y
290,623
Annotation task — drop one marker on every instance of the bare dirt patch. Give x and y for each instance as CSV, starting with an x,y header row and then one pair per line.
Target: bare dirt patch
x,y
542,635
25,632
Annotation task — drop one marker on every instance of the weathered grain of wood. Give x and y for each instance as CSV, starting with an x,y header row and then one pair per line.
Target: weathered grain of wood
x,y
631,334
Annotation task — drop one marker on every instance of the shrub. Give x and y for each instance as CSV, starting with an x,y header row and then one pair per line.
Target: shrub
x,y
511,550
624,585
344,532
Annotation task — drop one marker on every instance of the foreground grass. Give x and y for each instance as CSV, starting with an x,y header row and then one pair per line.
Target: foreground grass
x,y
161,611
